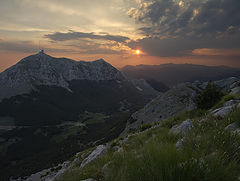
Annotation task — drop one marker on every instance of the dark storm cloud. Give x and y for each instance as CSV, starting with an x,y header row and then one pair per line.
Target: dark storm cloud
x,y
72,35
169,17
174,27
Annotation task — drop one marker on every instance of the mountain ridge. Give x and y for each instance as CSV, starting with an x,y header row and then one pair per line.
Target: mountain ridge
x,y
42,69
173,74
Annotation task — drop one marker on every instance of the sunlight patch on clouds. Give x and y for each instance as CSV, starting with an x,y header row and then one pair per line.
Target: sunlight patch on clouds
x,y
216,52
181,3
195,12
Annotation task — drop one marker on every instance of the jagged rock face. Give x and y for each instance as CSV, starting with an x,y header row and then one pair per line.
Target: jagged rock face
x,y
166,105
42,69
228,83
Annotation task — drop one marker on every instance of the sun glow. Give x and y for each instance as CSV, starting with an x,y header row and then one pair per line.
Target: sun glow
x,y
138,52
181,3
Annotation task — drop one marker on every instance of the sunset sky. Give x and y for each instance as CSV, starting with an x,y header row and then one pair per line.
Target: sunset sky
x,y
165,31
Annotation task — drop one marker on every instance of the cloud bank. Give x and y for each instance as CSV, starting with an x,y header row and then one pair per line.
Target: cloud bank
x,y
72,35
176,27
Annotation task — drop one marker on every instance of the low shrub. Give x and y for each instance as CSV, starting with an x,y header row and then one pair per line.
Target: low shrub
x,y
208,97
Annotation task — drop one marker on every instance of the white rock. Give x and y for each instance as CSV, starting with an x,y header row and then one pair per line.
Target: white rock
x,y
234,128
226,84
231,103
60,173
76,160
116,148
179,143
89,179
222,111
235,90
183,128
235,84
99,151
124,140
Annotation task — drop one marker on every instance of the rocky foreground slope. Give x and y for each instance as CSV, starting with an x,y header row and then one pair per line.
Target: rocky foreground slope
x,y
179,98
192,145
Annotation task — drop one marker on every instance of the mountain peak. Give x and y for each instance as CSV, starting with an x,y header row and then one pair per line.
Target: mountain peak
x,y
41,52
40,56
100,61
42,69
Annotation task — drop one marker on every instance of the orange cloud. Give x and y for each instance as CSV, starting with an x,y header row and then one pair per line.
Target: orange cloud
x,y
216,52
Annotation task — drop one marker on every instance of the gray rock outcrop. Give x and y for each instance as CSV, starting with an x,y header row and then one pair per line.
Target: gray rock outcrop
x,y
89,179
179,144
231,103
227,84
183,128
222,111
234,128
176,100
235,90
226,109
99,151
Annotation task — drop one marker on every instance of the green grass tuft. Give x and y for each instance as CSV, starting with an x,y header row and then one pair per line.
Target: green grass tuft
x,y
223,100
209,153
162,162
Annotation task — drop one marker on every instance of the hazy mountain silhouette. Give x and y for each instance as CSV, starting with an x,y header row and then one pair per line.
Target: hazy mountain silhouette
x,y
172,74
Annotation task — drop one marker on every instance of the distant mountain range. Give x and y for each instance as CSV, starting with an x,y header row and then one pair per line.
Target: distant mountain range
x,y
173,74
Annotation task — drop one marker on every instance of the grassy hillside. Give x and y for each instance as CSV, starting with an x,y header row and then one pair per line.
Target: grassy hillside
x,y
53,123
53,105
208,152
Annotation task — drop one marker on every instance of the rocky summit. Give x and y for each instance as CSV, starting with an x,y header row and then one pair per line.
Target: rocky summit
x,y
43,69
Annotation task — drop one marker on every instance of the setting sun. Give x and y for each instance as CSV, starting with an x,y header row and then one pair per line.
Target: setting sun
x,y
138,52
